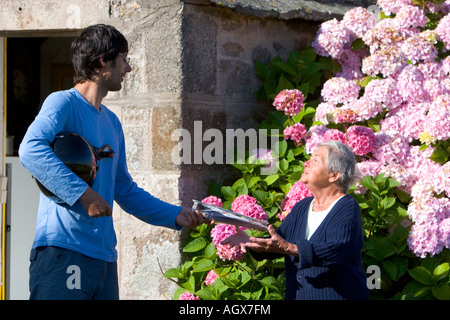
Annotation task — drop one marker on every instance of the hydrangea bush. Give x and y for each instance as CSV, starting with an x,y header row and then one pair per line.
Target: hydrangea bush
x,y
381,85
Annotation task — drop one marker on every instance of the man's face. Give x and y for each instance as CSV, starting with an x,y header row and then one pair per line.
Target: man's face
x,y
115,71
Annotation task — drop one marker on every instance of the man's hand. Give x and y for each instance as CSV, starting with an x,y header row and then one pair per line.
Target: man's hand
x,y
94,204
187,218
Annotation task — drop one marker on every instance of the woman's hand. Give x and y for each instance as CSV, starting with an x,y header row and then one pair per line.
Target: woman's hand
x,y
273,244
239,239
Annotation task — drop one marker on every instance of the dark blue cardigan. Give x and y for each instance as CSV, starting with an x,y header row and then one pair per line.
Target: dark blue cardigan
x,y
329,264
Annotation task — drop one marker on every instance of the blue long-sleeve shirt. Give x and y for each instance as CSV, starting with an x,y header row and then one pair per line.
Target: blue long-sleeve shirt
x,y
329,264
65,223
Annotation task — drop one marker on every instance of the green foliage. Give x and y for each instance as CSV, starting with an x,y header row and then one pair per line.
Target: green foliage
x,y
383,208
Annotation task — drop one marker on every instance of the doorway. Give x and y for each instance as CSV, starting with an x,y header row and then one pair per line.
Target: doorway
x,y
36,66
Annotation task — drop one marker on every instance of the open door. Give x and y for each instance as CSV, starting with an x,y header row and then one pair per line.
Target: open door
x,y
35,67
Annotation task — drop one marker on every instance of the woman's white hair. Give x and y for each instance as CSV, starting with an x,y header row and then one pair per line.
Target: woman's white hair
x,y
340,159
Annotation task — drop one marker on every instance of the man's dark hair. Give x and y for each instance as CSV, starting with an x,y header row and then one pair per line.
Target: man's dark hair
x,y
95,41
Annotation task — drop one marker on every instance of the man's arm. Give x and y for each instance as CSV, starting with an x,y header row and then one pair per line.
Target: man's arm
x,y
38,157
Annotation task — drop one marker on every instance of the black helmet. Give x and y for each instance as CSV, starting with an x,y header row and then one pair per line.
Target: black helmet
x,y
78,155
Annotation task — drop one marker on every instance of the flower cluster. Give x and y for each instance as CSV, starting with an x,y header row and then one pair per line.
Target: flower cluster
x,y
245,205
188,296
409,91
289,101
361,140
296,132
211,277
213,200
296,193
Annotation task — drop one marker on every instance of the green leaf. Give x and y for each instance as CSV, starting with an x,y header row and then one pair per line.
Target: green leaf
x,y
203,265
210,250
228,193
441,292
422,275
195,245
259,195
190,284
441,271
205,293
441,153
173,273
367,181
358,44
283,84
263,71
286,68
269,282
386,203
308,55
271,179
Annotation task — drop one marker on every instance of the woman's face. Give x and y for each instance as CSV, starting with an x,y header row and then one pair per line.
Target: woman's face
x,y
316,173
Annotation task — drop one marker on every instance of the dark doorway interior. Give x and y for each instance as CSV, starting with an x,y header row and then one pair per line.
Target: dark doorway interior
x,y
35,68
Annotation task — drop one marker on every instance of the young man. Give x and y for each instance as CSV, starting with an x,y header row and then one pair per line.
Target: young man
x,y
76,233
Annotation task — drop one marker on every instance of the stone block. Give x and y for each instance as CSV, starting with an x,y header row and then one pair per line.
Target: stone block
x,y
165,120
199,32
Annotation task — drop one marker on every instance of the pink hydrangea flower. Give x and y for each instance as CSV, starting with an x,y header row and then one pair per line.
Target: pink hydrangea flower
x,y
362,109
339,90
248,206
344,114
318,134
443,31
429,234
393,6
188,296
323,111
358,21
296,193
385,34
386,61
331,39
361,139
243,204
213,200
219,233
410,82
410,16
437,121
390,149
384,91
296,132
418,48
264,155
211,277
350,62
289,101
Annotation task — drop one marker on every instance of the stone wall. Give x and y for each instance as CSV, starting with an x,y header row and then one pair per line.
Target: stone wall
x,y
219,79
191,62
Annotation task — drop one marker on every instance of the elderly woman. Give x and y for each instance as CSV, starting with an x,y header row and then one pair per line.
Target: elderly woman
x,y
321,238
